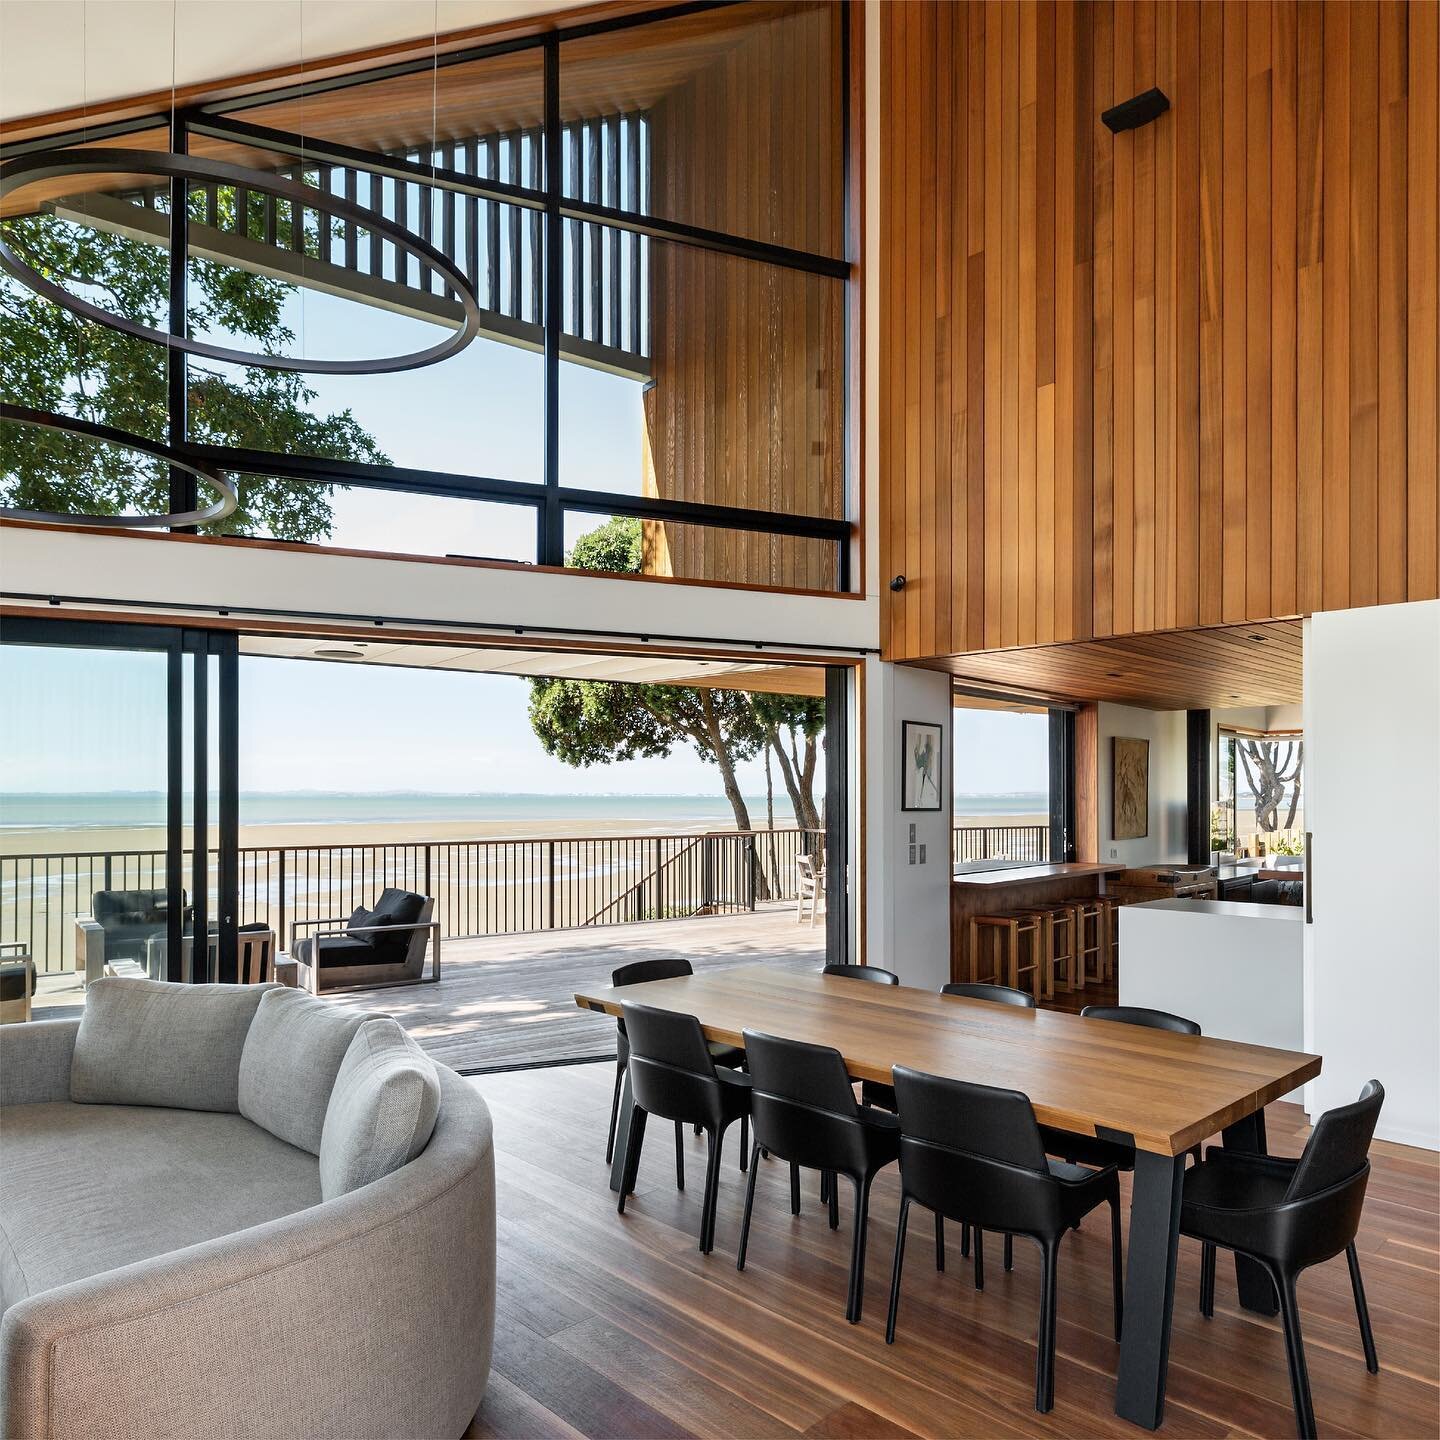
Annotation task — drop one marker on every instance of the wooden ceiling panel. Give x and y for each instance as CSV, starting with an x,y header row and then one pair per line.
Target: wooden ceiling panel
x,y
1169,670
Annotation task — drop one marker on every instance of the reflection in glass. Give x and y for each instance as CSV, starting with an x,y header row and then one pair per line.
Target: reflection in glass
x,y
728,119
388,521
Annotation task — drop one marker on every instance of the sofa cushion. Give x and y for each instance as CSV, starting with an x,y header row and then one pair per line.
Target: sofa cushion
x,y
86,1189
382,1109
291,1058
149,1042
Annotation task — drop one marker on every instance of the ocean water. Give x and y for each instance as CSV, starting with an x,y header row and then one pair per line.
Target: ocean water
x,y
119,809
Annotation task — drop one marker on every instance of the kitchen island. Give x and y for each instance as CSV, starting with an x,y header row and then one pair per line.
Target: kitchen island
x,y
995,888
1235,968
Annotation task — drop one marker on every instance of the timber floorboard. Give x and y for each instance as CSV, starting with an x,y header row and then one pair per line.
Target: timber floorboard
x,y
613,1325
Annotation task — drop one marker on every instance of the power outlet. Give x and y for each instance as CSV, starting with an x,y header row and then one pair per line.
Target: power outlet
x,y
1114,853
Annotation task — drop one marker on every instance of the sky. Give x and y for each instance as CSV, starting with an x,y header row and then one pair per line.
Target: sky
x,y
311,726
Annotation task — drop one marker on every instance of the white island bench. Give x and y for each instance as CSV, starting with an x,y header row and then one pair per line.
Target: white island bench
x,y
1235,968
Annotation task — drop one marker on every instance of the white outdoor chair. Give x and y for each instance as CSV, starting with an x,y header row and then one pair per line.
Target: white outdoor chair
x,y
809,888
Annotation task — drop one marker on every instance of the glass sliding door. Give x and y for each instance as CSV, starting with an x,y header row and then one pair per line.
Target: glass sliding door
x,y
115,841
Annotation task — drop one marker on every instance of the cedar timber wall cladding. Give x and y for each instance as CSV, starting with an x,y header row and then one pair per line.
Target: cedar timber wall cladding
x,y
1184,376
747,405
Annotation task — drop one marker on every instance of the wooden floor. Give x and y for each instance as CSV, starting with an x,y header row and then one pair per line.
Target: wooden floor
x,y
509,1000
617,1326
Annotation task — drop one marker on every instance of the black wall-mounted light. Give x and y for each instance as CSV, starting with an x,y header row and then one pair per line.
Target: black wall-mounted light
x,y
898,583
1132,114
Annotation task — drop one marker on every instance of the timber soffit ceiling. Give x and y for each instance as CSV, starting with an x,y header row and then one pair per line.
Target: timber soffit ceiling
x,y
576,665
1171,670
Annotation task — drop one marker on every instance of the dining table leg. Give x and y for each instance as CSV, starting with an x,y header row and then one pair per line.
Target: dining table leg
x,y
1149,1287
622,1133
1256,1289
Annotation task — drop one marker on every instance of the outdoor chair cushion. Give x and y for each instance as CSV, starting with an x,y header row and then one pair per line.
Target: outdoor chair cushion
x,y
395,907
381,1111
145,1042
128,907
85,1189
290,1060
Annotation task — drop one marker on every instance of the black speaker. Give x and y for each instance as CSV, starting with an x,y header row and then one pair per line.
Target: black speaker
x,y
1132,114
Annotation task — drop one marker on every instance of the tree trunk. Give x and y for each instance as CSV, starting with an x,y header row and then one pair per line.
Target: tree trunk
x,y
799,781
770,824
716,737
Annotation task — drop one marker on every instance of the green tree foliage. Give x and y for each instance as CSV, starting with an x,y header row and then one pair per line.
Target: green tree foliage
x,y
56,361
594,722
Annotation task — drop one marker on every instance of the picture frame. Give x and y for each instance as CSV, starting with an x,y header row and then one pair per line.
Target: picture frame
x,y
1129,788
922,765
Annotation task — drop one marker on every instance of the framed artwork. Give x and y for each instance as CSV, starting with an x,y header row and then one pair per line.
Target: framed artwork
x,y
921,770
1129,788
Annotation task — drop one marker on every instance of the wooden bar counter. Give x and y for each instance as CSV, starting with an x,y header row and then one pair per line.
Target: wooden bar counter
x,y
993,891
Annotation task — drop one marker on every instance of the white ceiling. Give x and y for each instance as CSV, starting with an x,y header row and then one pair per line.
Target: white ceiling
x,y
59,54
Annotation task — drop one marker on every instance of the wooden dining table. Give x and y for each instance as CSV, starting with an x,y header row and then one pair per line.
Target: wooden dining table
x,y
1160,1092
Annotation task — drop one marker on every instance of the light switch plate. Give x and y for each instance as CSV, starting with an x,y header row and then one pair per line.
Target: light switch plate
x,y
912,854
922,854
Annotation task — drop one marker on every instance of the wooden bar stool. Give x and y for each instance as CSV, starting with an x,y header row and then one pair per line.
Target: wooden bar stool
x,y
1060,945
1111,906
1091,941
1006,936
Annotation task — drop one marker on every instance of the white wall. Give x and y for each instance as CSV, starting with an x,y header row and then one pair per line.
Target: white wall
x,y
1165,730
1372,757
907,919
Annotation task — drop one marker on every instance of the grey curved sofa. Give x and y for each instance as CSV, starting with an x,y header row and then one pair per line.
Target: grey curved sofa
x,y
176,1272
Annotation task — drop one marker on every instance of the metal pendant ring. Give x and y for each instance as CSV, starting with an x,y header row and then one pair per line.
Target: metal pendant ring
x,y
225,501
25,170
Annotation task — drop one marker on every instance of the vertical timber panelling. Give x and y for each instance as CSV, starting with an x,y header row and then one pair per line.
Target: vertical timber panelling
x,y
1181,376
747,402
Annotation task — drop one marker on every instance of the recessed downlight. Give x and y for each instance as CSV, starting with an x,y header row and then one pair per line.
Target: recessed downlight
x,y
337,654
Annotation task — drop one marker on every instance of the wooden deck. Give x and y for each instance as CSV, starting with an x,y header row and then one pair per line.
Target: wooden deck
x,y
616,1326
509,1000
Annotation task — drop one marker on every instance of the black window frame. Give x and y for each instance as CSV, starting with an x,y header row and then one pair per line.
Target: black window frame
x,y
550,500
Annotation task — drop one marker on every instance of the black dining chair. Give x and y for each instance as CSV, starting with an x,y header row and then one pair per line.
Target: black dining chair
x,y
665,967
673,1075
873,1092
1090,1149
804,1110
1289,1215
996,995
973,1153
873,973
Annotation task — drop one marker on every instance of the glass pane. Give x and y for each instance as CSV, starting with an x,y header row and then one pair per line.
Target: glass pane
x,y
731,394
699,552
1001,786
263,279
104,237
481,117
390,521
729,119
82,834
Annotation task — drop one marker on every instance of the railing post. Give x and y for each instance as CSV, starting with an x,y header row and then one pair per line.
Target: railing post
x,y
550,868
659,878
707,872
427,871
748,845
108,883
280,940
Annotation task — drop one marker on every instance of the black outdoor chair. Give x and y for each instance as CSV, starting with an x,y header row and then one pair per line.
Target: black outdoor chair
x,y
1090,1149
666,967
804,1111
973,1153
673,1075
1289,1215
